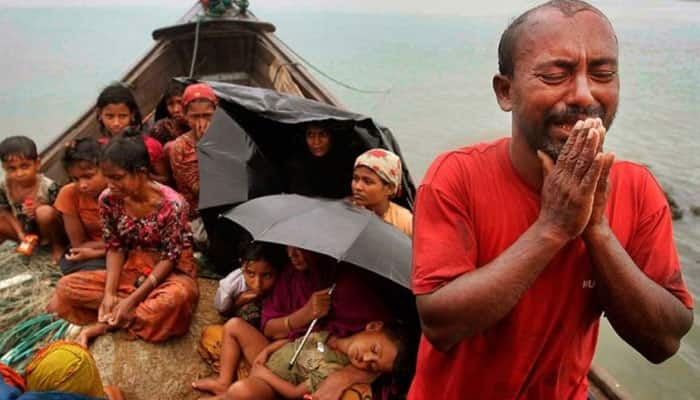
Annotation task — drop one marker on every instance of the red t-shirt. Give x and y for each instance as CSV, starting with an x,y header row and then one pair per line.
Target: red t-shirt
x,y
470,208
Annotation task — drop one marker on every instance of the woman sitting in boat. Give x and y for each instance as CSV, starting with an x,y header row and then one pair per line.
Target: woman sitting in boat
x,y
200,103
376,179
77,203
301,295
117,111
170,122
323,167
149,287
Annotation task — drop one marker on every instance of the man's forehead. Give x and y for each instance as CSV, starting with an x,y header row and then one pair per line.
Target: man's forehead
x,y
548,30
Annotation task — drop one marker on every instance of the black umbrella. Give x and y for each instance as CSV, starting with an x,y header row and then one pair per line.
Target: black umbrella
x,y
255,130
335,228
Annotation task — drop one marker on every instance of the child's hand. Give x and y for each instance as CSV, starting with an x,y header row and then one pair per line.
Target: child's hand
x,y
80,254
247,296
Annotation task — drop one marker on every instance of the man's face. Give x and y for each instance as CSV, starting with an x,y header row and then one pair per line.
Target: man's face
x,y
565,71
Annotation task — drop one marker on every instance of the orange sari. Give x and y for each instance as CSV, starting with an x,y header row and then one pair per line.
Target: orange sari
x,y
165,313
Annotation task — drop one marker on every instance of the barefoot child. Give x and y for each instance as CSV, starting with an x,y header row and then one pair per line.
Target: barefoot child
x,y
241,293
26,196
149,287
116,112
375,350
77,203
299,296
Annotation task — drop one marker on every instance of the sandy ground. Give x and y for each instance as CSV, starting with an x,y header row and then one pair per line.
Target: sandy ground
x,y
163,371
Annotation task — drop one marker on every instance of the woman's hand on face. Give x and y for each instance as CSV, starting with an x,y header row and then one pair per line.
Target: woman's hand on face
x,y
318,305
109,302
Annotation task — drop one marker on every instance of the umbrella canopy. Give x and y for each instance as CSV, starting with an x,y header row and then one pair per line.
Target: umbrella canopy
x,y
255,131
335,228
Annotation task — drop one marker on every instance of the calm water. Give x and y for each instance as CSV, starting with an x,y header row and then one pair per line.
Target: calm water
x,y
436,71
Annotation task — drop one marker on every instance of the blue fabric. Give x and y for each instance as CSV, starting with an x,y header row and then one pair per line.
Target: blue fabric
x,y
8,392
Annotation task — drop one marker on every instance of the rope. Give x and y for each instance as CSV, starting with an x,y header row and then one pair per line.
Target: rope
x,y
330,78
196,46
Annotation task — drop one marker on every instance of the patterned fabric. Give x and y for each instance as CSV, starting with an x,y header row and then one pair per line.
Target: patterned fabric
x,y
384,163
168,129
46,193
185,168
315,362
166,231
65,367
166,312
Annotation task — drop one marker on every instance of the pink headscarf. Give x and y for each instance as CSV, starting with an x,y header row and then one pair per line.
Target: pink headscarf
x,y
385,164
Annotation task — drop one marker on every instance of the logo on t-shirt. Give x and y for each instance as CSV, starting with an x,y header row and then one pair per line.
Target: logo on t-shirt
x,y
589,283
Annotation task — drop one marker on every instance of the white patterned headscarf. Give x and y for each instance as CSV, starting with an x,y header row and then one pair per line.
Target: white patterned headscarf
x,y
385,164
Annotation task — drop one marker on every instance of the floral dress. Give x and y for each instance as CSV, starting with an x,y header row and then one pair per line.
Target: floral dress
x,y
161,235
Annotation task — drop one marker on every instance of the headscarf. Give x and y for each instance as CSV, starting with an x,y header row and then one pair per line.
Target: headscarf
x,y
198,91
385,164
66,367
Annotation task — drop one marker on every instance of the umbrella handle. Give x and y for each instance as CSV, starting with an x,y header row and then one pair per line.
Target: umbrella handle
x,y
306,336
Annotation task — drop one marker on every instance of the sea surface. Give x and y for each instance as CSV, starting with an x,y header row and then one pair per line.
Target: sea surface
x,y
433,74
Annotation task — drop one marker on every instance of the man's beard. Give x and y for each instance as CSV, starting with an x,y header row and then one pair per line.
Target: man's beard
x,y
540,139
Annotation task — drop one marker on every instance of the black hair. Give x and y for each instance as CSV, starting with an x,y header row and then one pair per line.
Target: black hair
x,y
127,152
509,38
174,88
18,146
406,339
85,149
119,93
274,254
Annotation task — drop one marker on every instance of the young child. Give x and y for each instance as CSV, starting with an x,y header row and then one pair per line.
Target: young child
x,y
117,111
170,118
77,203
377,350
376,178
200,103
26,196
241,294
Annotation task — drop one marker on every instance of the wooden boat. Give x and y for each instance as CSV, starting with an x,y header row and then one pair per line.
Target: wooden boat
x,y
236,48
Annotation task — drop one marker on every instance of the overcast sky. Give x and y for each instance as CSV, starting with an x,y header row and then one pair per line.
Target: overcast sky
x,y
411,6
613,8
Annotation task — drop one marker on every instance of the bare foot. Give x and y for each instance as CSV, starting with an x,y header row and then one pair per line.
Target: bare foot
x,y
89,333
56,253
211,385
